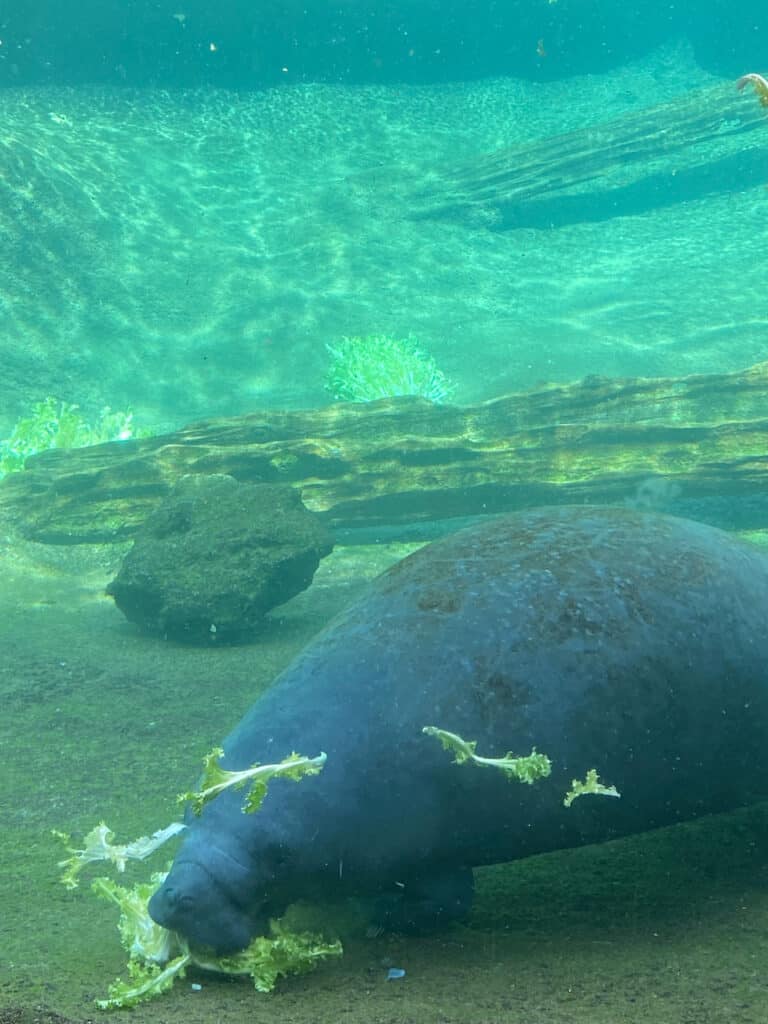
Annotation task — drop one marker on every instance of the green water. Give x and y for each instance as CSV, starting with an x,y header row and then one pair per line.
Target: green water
x,y
191,254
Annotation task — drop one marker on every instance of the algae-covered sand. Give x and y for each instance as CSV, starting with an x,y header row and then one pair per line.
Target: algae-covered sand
x,y
101,722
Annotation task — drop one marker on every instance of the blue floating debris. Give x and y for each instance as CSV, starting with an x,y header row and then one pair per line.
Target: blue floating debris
x,y
394,973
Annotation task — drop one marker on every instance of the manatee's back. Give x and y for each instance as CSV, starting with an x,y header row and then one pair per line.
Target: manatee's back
x,y
611,639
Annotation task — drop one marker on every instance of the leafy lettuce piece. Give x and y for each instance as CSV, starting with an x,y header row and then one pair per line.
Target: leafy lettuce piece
x,y
149,945
216,779
591,784
98,846
139,934
146,982
526,769
270,957
157,956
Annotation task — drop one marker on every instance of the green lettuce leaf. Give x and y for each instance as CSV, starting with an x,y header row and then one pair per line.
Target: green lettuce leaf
x,y
216,779
526,769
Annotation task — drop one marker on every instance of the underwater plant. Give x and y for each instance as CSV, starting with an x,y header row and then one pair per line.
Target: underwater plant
x,y
375,366
56,424
156,955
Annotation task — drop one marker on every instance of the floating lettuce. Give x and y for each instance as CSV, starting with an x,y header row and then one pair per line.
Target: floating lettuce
x,y
98,845
216,779
526,769
591,784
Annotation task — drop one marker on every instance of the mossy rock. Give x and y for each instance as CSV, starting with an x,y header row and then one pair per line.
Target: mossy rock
x,y
216,556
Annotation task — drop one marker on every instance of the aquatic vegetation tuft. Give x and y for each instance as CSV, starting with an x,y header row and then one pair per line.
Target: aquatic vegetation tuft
x,y
56,424
363,369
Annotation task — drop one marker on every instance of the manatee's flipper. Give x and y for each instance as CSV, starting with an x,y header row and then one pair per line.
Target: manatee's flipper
x,y
425,903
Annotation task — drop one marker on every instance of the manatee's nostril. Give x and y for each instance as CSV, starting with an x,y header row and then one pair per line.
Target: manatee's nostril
x,y
169,905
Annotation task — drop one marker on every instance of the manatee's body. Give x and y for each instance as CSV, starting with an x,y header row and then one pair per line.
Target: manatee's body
x,y
632,643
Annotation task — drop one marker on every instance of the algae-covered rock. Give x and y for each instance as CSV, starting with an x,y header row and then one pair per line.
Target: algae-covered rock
x,y
216,556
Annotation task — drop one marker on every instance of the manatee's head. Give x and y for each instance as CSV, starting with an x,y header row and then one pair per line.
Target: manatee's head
x,y
211,904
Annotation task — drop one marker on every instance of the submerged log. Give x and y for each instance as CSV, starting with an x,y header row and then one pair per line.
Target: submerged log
x,y
699,130
406,460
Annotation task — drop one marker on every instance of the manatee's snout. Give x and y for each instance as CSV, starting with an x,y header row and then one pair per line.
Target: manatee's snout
x,y
192,903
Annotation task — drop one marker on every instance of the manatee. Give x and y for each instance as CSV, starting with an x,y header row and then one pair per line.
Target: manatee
x,y
611,639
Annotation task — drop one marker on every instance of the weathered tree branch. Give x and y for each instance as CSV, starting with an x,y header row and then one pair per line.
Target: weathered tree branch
x,y
404,460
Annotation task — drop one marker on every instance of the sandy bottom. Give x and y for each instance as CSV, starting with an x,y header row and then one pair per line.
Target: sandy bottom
x,y
101,722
